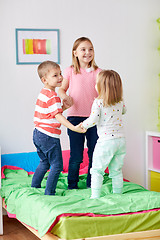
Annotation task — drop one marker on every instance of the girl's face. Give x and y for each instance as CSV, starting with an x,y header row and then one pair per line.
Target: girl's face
x,y
85,53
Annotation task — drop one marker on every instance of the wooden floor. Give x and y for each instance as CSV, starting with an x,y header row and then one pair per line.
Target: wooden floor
x,y
14,230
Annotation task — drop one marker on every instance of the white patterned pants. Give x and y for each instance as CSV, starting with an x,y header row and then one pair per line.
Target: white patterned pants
x,y
109,153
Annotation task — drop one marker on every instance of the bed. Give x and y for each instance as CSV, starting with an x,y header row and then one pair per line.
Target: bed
x,y
71,214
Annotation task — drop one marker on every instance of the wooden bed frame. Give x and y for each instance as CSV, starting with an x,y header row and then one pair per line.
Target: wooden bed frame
x,y
147,235
144,235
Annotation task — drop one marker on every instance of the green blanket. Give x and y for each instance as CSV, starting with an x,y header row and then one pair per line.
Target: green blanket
x,y
39,211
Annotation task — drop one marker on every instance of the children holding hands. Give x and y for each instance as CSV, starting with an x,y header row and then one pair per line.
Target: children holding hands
x,y
95,99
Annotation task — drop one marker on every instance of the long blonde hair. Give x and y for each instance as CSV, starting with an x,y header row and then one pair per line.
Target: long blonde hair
x,y
109,87
75,61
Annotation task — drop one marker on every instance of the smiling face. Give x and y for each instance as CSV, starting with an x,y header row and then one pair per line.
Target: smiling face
x,y
53,78
84,53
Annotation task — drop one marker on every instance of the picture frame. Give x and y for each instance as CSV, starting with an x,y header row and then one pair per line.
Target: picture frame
x,y
34,46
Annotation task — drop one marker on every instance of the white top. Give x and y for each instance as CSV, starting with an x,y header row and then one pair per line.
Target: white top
x,y
108,120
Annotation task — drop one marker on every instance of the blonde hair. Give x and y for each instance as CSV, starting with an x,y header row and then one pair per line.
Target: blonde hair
x,y
75,61
109,87
45,67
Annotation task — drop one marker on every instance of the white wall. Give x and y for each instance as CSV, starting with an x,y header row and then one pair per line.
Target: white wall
x,y
125,36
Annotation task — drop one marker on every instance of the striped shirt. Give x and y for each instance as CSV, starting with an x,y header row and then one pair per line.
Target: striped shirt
x,y
47,106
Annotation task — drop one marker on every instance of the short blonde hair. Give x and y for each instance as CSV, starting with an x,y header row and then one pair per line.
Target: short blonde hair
x,y
75,61
45,67
109,87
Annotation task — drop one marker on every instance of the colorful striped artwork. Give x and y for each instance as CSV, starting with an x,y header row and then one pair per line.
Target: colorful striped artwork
x,y
36,46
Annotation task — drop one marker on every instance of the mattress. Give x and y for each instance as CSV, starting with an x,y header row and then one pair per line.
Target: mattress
x,y
72,214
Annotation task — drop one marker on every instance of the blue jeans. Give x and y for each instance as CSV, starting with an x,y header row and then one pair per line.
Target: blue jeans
x,y
76,151
49,151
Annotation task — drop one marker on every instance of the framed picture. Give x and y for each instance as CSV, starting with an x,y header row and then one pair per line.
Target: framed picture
x,y
34,46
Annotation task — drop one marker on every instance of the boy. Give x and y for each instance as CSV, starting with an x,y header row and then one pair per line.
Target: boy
x,y
48,119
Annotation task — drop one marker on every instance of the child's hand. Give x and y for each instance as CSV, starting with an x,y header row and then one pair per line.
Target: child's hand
x,y
79,128
67,102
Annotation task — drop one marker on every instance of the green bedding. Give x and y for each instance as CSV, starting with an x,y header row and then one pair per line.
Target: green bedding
x,y
39,211
85,227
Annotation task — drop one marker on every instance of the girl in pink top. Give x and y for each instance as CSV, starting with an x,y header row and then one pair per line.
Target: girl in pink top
x,y
79,80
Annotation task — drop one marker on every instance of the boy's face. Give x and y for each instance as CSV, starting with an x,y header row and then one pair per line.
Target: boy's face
x,y
53,79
